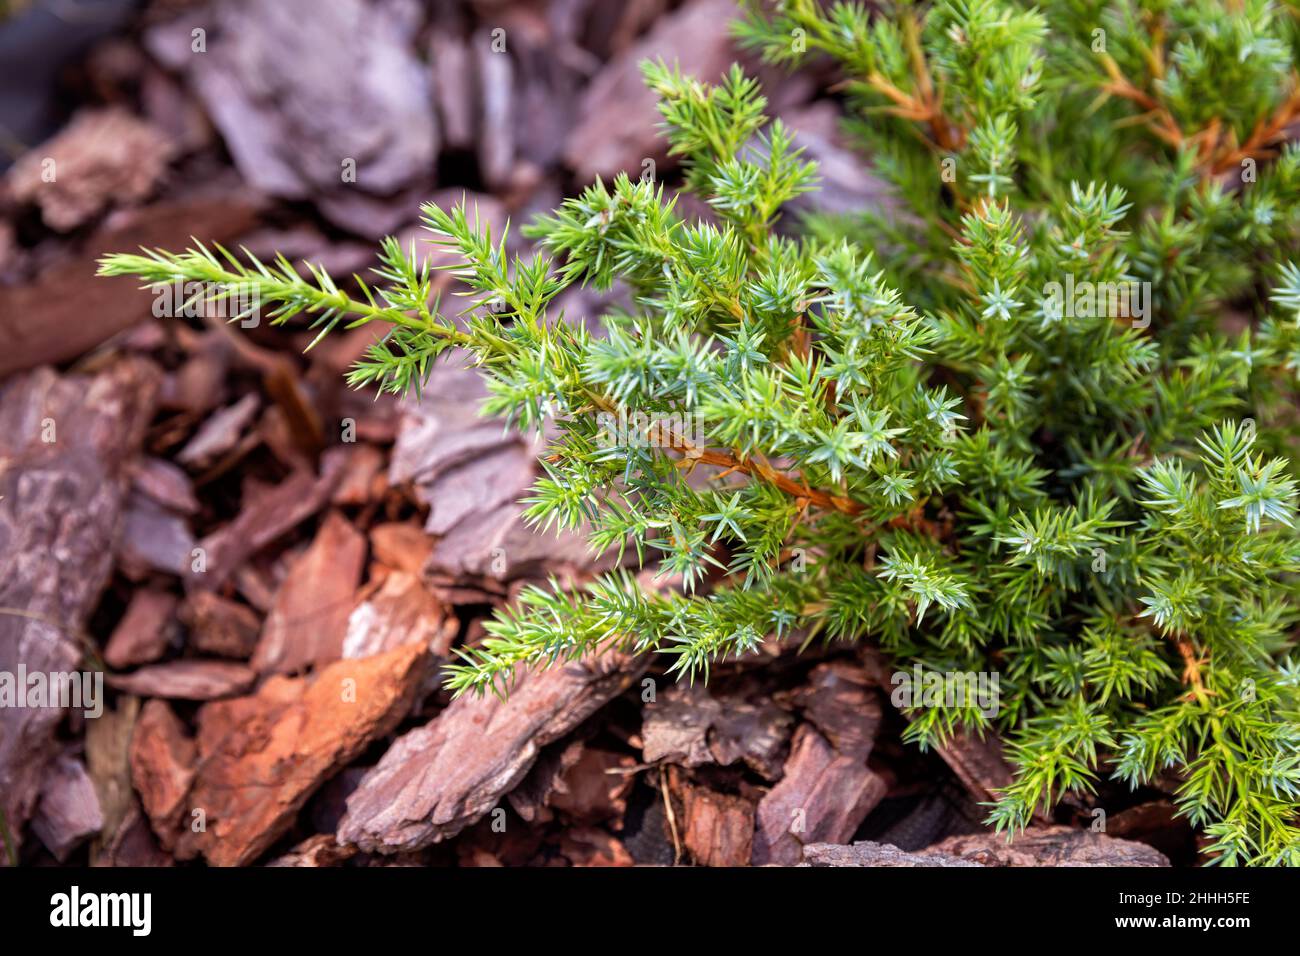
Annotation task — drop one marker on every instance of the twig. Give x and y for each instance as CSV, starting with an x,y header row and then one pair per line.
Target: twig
x,y
672,817
1192,669
753,467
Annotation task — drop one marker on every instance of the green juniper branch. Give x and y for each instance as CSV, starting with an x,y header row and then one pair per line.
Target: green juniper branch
x,y
1006,432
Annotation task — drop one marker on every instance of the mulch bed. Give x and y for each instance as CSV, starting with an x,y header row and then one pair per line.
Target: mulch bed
x,y
269,569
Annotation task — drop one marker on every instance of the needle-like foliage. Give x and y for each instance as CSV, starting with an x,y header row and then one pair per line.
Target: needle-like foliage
x,y
1033,420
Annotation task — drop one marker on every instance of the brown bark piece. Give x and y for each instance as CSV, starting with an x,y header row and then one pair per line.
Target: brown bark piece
x,y
717,828
691,726
588,846
153,539
200,384
499,545
399,611
63,441
261,757
261,521
219,625
220,432
472,473
443,430
675,727
1144,819
285,83
532,797
1050,846
186,680
362,480
163,758
108,742
165,484
486,483
309,620
103,156
755,732
442,777
141,637
497,109
867,853
595,788
401,546
823,798
840,701
450,56
978,763
68,811
618,125
319,850
133,844
67,310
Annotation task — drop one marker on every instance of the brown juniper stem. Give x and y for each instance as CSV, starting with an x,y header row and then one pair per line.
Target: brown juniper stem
x,y
1217,151
758,467
925,107
753,467
1264,138
1191,667
946,134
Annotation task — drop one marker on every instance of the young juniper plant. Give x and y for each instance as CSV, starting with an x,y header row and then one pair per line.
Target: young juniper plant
x,y
1031,420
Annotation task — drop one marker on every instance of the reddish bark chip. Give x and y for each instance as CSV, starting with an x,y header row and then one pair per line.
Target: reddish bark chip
x,y
717,828
141,637
587,846
405,547
309,620
186,680
162,757
219,625
262,520
103,156
262,756
399,611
